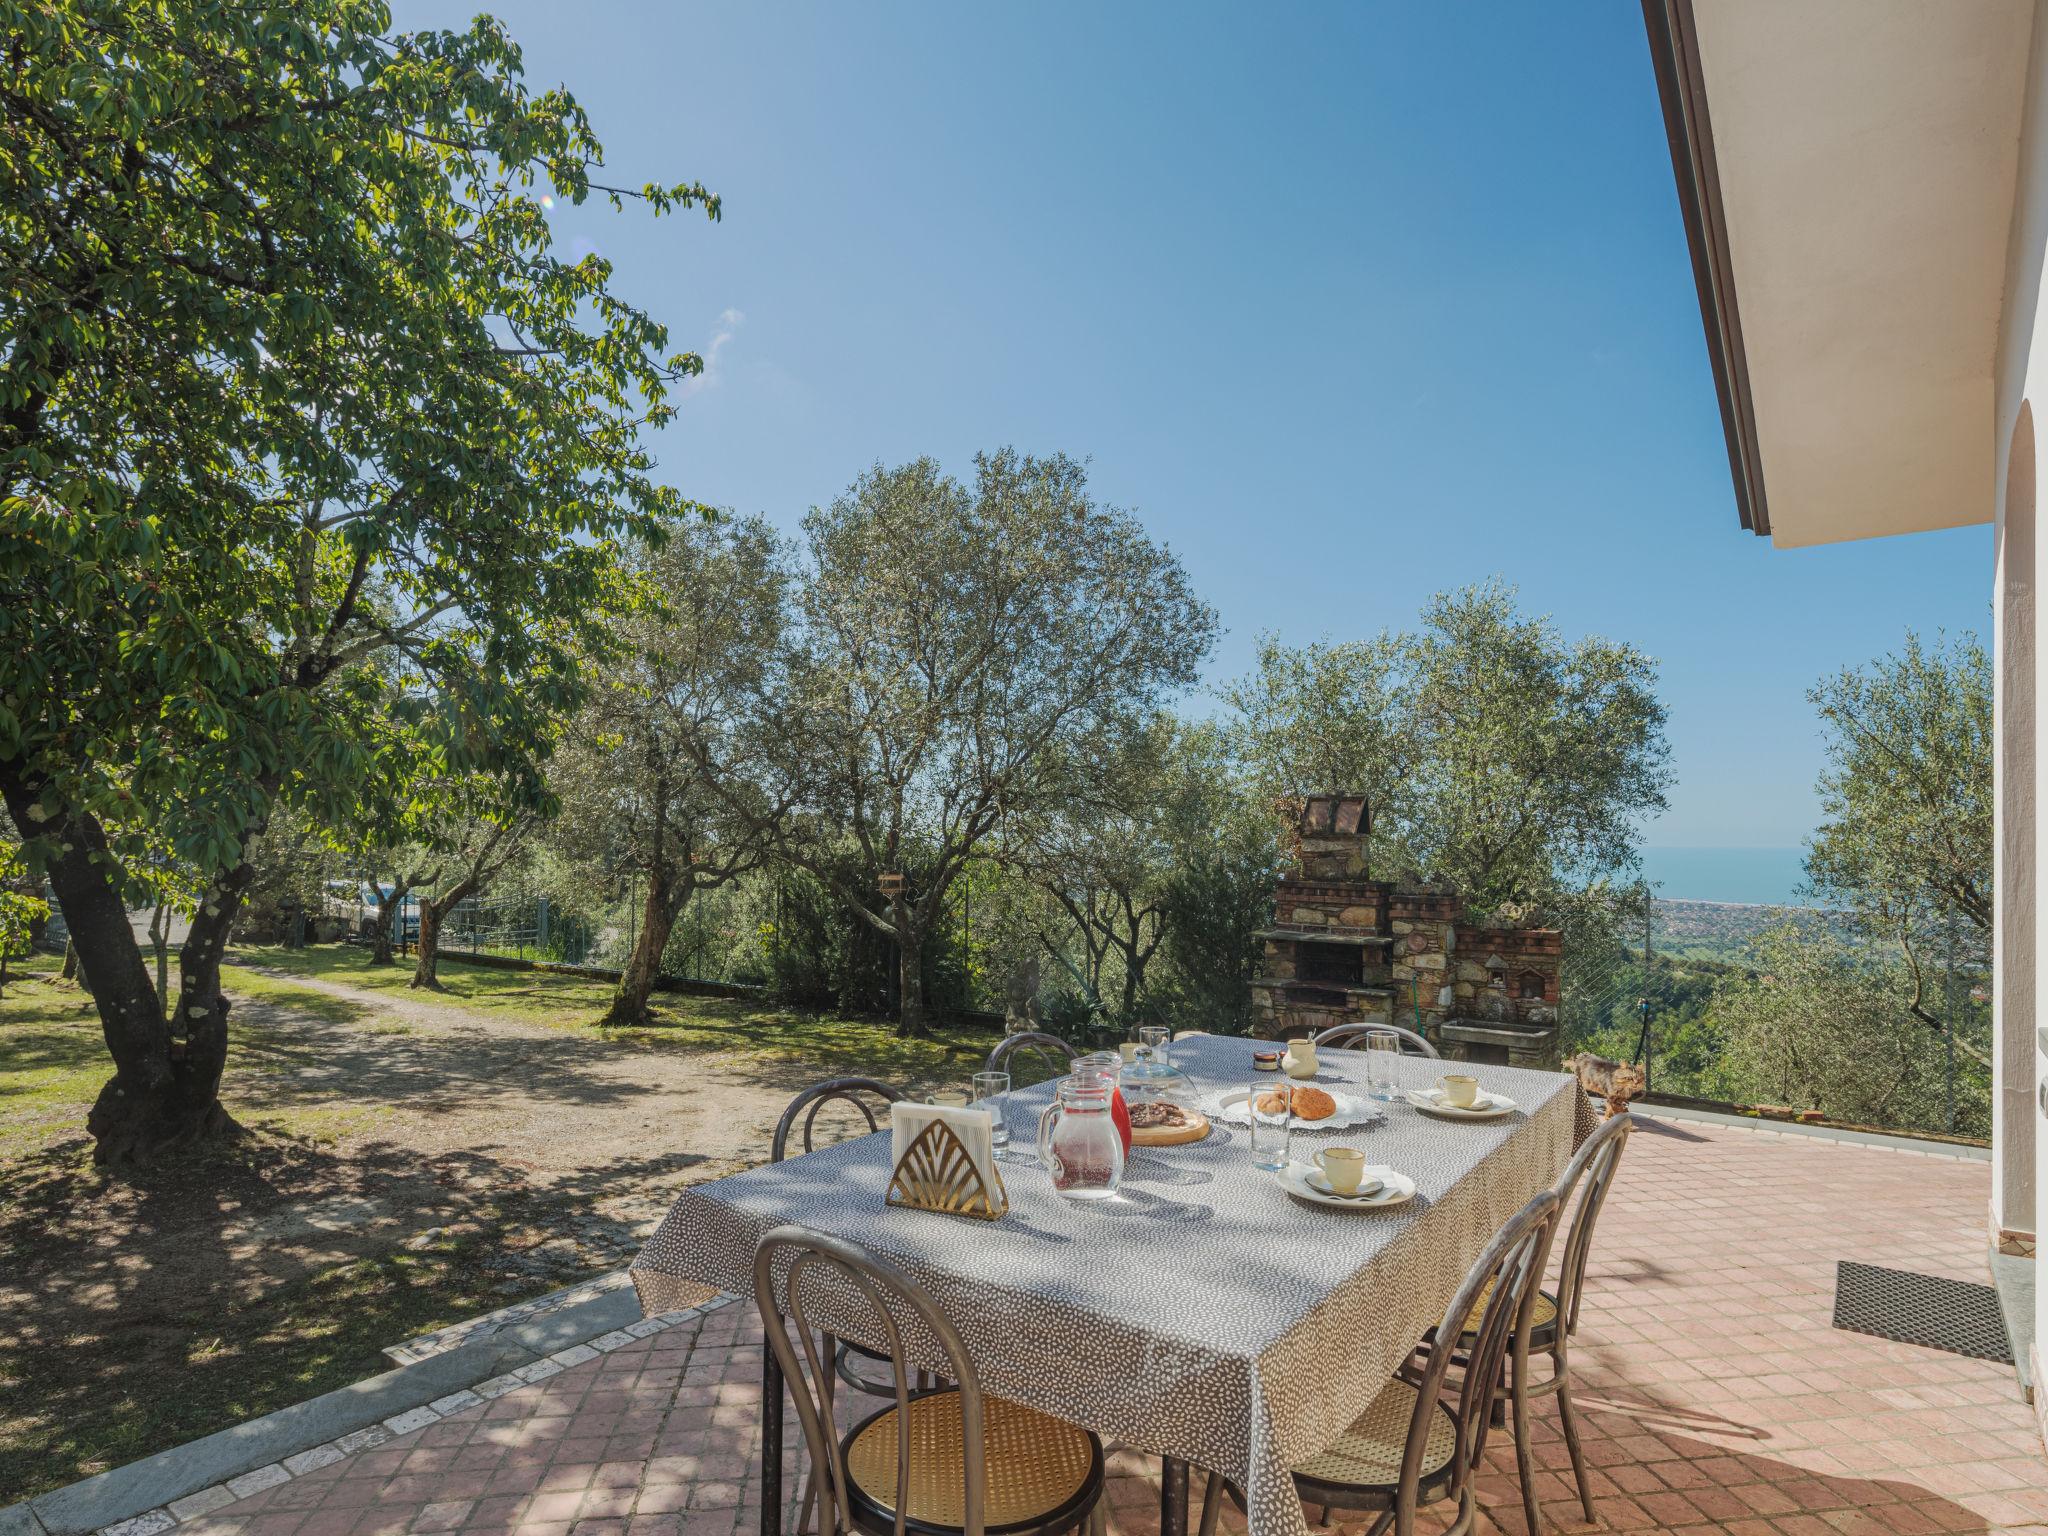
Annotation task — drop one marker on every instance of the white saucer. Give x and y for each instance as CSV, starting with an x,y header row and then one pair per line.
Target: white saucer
x,y
1351,1111
1395,1188
1488,1106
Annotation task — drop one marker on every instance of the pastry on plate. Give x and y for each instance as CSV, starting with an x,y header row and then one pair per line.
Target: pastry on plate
x,y
1309,1103
1157,1115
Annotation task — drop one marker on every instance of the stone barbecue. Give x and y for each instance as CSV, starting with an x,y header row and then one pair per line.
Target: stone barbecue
x,y
1345,948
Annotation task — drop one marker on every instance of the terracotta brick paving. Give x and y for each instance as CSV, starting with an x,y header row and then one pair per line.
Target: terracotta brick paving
x,y
1717,1397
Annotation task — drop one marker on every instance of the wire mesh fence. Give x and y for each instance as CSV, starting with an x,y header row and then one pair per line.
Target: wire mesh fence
x,y
1803,1010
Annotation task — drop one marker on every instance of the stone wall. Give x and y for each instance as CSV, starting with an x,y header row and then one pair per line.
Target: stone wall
x,y
1509,976
1424,923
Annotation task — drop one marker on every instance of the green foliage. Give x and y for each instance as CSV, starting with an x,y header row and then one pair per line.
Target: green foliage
x,y
295,863
676,706
20,909
1500,759
314,450
1217,893
1906,798
1820,1024
952,649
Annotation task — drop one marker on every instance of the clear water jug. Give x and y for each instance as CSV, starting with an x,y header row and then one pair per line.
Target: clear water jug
x,y
1078,1140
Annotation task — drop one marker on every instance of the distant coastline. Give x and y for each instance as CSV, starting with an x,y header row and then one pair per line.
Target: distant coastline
x,y
1742,877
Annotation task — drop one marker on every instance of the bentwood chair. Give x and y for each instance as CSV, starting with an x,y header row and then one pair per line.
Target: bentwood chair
x,y
856,1091
923,1464
849,1359
1411,1447
1050,1049
1351,1037
1554,1317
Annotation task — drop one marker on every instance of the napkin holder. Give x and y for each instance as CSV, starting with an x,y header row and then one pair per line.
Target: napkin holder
x,y
937,1173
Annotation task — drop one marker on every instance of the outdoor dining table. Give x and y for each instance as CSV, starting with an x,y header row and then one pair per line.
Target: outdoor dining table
x,y
1205,1315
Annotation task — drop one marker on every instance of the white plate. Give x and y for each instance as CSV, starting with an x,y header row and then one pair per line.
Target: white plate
x,y
1351,1110
1488,1106
1396,1188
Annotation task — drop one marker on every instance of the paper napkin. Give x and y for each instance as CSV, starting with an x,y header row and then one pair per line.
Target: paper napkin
x,y
974,1127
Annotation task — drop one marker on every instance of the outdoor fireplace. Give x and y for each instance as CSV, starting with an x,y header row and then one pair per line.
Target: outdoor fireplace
x,y
1345,948
1341,963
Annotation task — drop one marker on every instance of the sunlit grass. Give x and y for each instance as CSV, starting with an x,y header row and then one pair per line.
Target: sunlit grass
x,y
758,1030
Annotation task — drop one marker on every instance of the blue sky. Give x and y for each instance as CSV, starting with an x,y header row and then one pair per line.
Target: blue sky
x,y
1349,303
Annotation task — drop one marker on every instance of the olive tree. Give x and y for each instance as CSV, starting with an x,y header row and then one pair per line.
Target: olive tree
x,y
1818,1025
1499,757
950,647
1128,816
471,849
314,457
1906,805
633,781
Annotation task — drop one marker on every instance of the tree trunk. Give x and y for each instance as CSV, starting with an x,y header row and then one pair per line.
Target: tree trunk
x,y
390,910
165,1091
657,922
70,971
433,911
910,1021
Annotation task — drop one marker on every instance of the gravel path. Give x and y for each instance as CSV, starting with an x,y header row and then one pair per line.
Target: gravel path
x,y
621,1125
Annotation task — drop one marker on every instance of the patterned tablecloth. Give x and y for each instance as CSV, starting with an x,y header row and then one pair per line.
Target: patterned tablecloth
x,y
1207,1314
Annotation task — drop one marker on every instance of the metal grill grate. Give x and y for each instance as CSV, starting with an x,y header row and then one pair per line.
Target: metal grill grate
x,y
1897,1304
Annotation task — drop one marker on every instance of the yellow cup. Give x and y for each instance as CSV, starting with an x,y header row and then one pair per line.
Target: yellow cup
x,y
1342,1168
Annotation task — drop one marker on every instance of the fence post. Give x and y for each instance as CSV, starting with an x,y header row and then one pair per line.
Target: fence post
x,y
1649,919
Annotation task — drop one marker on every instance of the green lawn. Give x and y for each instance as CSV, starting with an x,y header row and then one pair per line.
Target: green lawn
x,y
93,1383
830,1042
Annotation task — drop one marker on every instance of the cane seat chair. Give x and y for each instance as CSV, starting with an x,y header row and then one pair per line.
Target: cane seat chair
x,y
1554,1317
1351,1037
949,1461
1412,1447
857,1091
1054,1052
853,1363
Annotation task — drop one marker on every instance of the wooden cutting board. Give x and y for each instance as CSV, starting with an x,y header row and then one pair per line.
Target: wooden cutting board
x,y
1172,1135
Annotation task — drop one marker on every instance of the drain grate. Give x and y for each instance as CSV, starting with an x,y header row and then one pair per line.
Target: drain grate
x,y
1897,1304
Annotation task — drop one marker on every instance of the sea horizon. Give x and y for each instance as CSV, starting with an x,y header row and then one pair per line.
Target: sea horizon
x,y
1753,876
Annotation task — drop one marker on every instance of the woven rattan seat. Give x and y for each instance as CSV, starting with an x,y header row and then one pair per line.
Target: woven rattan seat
x,y
1041,1472
1368,1454
1542,1321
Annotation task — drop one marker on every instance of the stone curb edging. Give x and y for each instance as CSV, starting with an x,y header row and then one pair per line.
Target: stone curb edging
x,y
1876,1141
188,1482
427,1345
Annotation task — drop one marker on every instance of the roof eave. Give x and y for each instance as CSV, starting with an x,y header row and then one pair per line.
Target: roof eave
x,y
1682,88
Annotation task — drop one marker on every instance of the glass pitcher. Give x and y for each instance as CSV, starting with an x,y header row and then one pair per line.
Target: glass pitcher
x,y
1108,1066
1078,1140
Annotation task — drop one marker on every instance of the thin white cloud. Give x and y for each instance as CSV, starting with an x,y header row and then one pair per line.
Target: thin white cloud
x,y
729,322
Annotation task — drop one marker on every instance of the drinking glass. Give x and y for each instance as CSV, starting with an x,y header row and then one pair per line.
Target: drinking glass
x,y
1153,1040
1382,1054
1272,1144
992,1085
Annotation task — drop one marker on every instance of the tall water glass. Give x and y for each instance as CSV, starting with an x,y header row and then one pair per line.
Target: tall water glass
x,y
993,1085
1382,1055
1153,1041
1272,1140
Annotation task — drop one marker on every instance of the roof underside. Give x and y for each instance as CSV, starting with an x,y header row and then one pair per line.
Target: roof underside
x,y
1847,171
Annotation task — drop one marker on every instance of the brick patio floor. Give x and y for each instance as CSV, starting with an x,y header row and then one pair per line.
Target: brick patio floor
x,y
1717,1396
